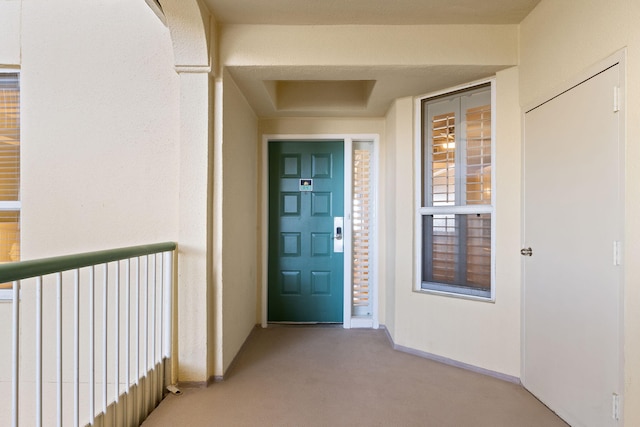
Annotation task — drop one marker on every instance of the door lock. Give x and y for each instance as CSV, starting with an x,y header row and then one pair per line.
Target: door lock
x,y
526,252
338,228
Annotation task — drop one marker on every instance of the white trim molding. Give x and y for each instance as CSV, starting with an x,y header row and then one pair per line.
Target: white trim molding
x,y
451,362
348,320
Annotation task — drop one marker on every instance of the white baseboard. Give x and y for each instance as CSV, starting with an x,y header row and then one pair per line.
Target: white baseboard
x,y
451,362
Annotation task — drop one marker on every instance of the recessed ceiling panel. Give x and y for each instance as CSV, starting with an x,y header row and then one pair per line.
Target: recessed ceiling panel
x,y
318,95
369,94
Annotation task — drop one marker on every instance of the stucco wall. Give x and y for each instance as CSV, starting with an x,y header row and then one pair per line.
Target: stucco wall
x,y
239,221
99,140
560,41
485,335
388,219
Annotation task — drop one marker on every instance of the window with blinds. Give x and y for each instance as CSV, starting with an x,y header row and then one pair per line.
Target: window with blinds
x,y
9,167
362,223
456,206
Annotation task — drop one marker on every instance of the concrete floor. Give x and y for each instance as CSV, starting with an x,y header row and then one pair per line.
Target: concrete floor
x,y
329,376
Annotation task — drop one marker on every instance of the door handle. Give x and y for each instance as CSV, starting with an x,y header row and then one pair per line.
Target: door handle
x,y
526,252
338,235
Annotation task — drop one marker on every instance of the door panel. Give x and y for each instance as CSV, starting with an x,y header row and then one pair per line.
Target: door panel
x,y
572,217
305,273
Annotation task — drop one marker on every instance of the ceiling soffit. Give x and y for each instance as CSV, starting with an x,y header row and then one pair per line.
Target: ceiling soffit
x,y
355,91
295,91
363,12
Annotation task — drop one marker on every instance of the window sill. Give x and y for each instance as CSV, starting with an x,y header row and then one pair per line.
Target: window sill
x,y
454,292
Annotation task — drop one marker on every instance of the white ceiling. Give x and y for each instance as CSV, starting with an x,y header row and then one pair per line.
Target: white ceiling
x,y
384,83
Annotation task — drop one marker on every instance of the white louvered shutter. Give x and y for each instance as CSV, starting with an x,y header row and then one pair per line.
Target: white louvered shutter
x,y
362,220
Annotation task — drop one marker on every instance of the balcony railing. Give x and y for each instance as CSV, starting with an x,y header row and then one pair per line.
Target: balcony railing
x,y
90,337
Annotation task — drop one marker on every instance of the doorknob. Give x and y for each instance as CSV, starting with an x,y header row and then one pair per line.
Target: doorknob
x,y
526,252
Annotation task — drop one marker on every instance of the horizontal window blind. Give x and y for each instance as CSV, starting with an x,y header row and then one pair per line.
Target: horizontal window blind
x,y
9,137
443,234
478,138
9,236
361,233
443,164
479,250
458,250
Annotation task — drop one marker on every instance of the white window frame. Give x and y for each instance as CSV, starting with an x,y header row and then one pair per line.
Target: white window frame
x,y
371,320
6,295
420,211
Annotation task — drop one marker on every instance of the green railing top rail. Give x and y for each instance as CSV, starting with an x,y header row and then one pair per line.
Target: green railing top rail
x,y
39,267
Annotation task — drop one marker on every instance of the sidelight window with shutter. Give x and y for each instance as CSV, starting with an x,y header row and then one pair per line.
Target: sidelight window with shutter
x,y
362,232
455,204
9,168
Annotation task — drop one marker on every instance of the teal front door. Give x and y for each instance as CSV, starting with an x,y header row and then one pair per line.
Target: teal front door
x,y
306,205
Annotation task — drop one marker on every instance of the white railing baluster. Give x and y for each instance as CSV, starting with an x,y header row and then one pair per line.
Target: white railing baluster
x,y
153,328
168,290
92,346
127,345
146,337
157,288
153,336
15,363
105,330
59,344
76,348
162,305
39,351
116,344
138,390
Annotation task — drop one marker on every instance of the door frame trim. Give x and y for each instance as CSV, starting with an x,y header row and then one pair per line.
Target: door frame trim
x,y
348,320
617,58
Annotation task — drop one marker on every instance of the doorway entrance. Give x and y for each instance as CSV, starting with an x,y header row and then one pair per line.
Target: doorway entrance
x,y
309,236
306,231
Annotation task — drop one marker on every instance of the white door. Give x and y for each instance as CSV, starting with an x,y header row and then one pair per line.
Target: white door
x,y
573,219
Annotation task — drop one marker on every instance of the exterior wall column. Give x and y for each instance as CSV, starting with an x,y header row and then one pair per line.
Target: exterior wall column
x,y
194,278
189,23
